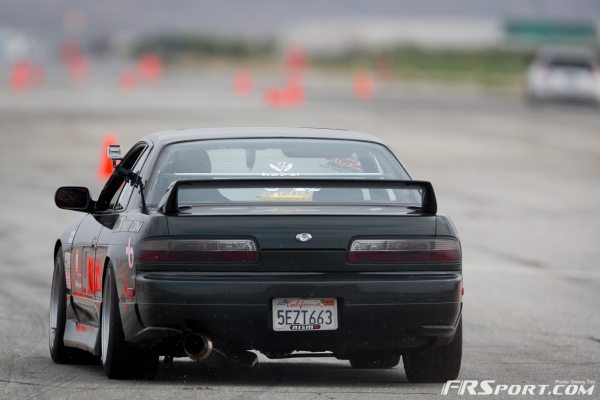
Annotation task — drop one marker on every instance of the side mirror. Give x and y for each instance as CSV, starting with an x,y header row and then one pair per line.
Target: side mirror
x,y
74,198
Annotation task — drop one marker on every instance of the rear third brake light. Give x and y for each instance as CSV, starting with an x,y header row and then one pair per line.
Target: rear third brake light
x,y
199,251
405,251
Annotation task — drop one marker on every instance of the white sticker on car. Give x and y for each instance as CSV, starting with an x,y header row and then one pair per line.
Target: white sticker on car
x,y
129,253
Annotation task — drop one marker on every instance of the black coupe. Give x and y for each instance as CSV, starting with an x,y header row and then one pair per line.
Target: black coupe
x,y
219,243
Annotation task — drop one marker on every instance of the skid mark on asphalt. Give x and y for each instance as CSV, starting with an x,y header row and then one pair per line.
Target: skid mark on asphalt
x,y
507,256
50,384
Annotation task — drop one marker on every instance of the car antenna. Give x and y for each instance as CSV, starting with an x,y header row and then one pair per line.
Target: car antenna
x,y
136,181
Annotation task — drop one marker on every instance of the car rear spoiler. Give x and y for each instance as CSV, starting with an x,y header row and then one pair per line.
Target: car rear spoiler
x,y
169,203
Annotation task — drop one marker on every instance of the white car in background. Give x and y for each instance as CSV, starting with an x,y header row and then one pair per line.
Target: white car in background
x,y
564,74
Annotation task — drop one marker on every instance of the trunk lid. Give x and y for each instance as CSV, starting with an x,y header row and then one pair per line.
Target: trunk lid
x,y
278,232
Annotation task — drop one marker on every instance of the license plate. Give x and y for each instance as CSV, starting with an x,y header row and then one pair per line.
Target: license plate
x,y
294,314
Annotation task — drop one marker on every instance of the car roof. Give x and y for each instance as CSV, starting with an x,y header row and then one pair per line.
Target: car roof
x,y
163,138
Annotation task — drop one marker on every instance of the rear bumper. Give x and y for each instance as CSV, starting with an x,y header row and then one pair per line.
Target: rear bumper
x,y
376,311
589,91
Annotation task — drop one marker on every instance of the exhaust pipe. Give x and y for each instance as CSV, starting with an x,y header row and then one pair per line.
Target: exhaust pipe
x,y
197,347
201,348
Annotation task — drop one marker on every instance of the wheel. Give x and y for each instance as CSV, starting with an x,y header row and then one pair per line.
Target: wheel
x,y
145,364
437,363
113,349
58,308
119,360
60,353
374,361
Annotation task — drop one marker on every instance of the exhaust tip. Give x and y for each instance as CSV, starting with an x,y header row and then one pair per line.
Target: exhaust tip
x,y
201,348
197,347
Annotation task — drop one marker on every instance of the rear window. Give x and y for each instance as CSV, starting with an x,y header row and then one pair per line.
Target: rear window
x,y
277,159
571,64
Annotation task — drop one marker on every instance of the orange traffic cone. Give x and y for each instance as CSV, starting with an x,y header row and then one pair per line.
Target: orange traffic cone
x,y
274,97
20,77
294,93
295,62
105,168
289,96
243,82
150,67
363,86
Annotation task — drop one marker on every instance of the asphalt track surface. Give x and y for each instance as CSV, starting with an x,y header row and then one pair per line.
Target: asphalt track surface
x,y
522,186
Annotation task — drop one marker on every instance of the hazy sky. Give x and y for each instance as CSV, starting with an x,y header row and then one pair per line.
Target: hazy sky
x,y
258,17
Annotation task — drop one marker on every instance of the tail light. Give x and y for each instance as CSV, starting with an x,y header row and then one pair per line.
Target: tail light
x,y
199,251
404,251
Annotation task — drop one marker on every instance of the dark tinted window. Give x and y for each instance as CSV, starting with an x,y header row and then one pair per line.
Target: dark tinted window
x,y
273,159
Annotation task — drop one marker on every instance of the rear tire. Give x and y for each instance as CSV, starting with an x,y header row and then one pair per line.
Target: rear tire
x,y
58,308
146,364
57,320
374,361
119,360
435,364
